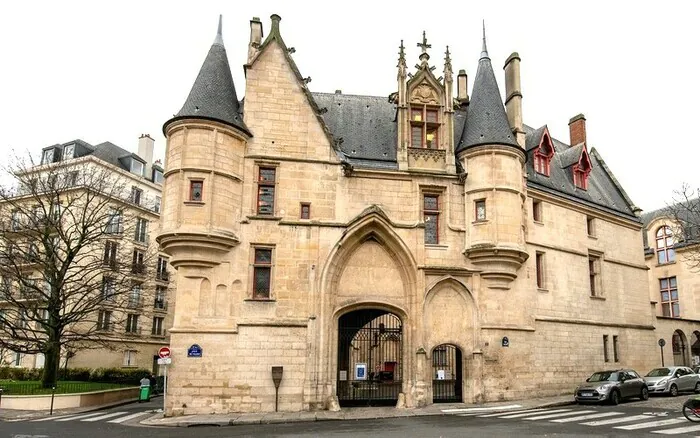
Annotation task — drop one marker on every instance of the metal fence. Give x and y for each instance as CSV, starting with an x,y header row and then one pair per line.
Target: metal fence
x,y
35,388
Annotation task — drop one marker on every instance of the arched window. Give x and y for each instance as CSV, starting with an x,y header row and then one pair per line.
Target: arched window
x,y
664,245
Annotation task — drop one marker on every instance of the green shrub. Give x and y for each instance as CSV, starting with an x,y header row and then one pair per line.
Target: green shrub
x,y
124,376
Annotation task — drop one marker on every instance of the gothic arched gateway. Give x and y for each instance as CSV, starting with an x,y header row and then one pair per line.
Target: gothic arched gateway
x,y
369,358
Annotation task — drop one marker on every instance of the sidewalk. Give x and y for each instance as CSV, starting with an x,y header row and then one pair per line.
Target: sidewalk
x,y
234,419
10,415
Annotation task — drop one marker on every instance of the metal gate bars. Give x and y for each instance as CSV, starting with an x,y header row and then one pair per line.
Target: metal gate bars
x,y
369,358
447,374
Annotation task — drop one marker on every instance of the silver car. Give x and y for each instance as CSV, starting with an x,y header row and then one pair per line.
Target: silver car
x,y
672,380
612,386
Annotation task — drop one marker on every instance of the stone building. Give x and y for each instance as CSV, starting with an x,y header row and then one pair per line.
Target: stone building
x,y
674,283
131,327
422,247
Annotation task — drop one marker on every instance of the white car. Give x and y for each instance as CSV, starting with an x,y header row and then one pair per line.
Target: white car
x,y
672,380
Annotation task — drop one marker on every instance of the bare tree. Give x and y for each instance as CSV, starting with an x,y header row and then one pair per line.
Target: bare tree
x,y
684,221
67,275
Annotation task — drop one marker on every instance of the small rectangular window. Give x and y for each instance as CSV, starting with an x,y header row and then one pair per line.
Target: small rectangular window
x,y
594,275
480,210
156,206
536,210
160,298
110,254
129,358
108,289
140,234
137,264
157,176
162,269
539,266
606,356
132,324
305,210
670,306
590,226
157,326
616,352
431,217
196,191
262,273
266,190
136,167
136,195
104,320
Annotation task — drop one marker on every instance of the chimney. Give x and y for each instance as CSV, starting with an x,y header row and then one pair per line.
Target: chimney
x,y
256,35
577,130
146,152
462,94
514,97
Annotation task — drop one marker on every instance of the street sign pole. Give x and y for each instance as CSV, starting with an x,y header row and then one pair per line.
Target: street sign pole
x,y
165,359
165,386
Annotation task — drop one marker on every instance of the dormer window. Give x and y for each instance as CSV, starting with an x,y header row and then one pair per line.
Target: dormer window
x,y
424,126
69,152
157,176
137,167
581,171
47,156
543,155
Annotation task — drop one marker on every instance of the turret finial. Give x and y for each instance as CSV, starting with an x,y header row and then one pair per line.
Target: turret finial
x,y
219,39
448,64
484,52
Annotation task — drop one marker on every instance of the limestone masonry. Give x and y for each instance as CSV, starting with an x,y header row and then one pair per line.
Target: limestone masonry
x,y
422,247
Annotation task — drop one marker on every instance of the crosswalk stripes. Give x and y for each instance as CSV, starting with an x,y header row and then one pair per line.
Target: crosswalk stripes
x,y
647,422
128,417
653,424
93,417
104,417
618,420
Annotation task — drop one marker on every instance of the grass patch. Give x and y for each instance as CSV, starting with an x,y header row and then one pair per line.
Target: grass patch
x,y
10,387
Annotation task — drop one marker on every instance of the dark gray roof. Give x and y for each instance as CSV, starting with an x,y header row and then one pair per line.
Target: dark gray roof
x,y
487,122
533,140
364,123
570,156
213,95
603,189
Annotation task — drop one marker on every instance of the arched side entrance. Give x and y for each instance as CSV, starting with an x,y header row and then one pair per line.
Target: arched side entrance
x,y
695,349
369,358
679,344
447,374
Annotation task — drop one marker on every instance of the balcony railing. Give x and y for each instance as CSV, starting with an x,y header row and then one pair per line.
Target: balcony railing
x,y
161,305
158,334
105,327
163,276
138,268
135,302
134,331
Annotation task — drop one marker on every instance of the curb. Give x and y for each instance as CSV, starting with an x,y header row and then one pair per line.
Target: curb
x,y
243,420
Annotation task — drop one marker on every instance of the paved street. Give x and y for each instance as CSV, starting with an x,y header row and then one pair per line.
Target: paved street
x,y
627,420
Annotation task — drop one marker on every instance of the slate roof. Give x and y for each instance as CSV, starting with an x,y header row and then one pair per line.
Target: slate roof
x,y
687,213
532,141
213,95
487,122
366,126
570,156
603,191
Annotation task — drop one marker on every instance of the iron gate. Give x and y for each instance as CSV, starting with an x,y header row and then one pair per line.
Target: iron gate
x,y
447,374
369,358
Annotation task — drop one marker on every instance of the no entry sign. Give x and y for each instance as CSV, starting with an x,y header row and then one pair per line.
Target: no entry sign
x,y
164,352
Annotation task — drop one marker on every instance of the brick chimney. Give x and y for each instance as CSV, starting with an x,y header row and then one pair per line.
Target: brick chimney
x,y
514,97
577,130
256,35
146,152
462,94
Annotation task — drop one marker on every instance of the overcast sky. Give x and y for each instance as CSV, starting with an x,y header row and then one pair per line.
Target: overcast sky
x,y
103,71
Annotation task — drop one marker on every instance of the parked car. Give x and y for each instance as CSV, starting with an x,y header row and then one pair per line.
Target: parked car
x,y
672,380
612,386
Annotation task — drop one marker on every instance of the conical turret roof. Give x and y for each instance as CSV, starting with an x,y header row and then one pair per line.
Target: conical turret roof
x,y
213,95
487,122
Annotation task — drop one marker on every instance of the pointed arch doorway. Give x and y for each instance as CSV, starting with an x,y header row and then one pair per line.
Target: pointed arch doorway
x,y
447,374
370,350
